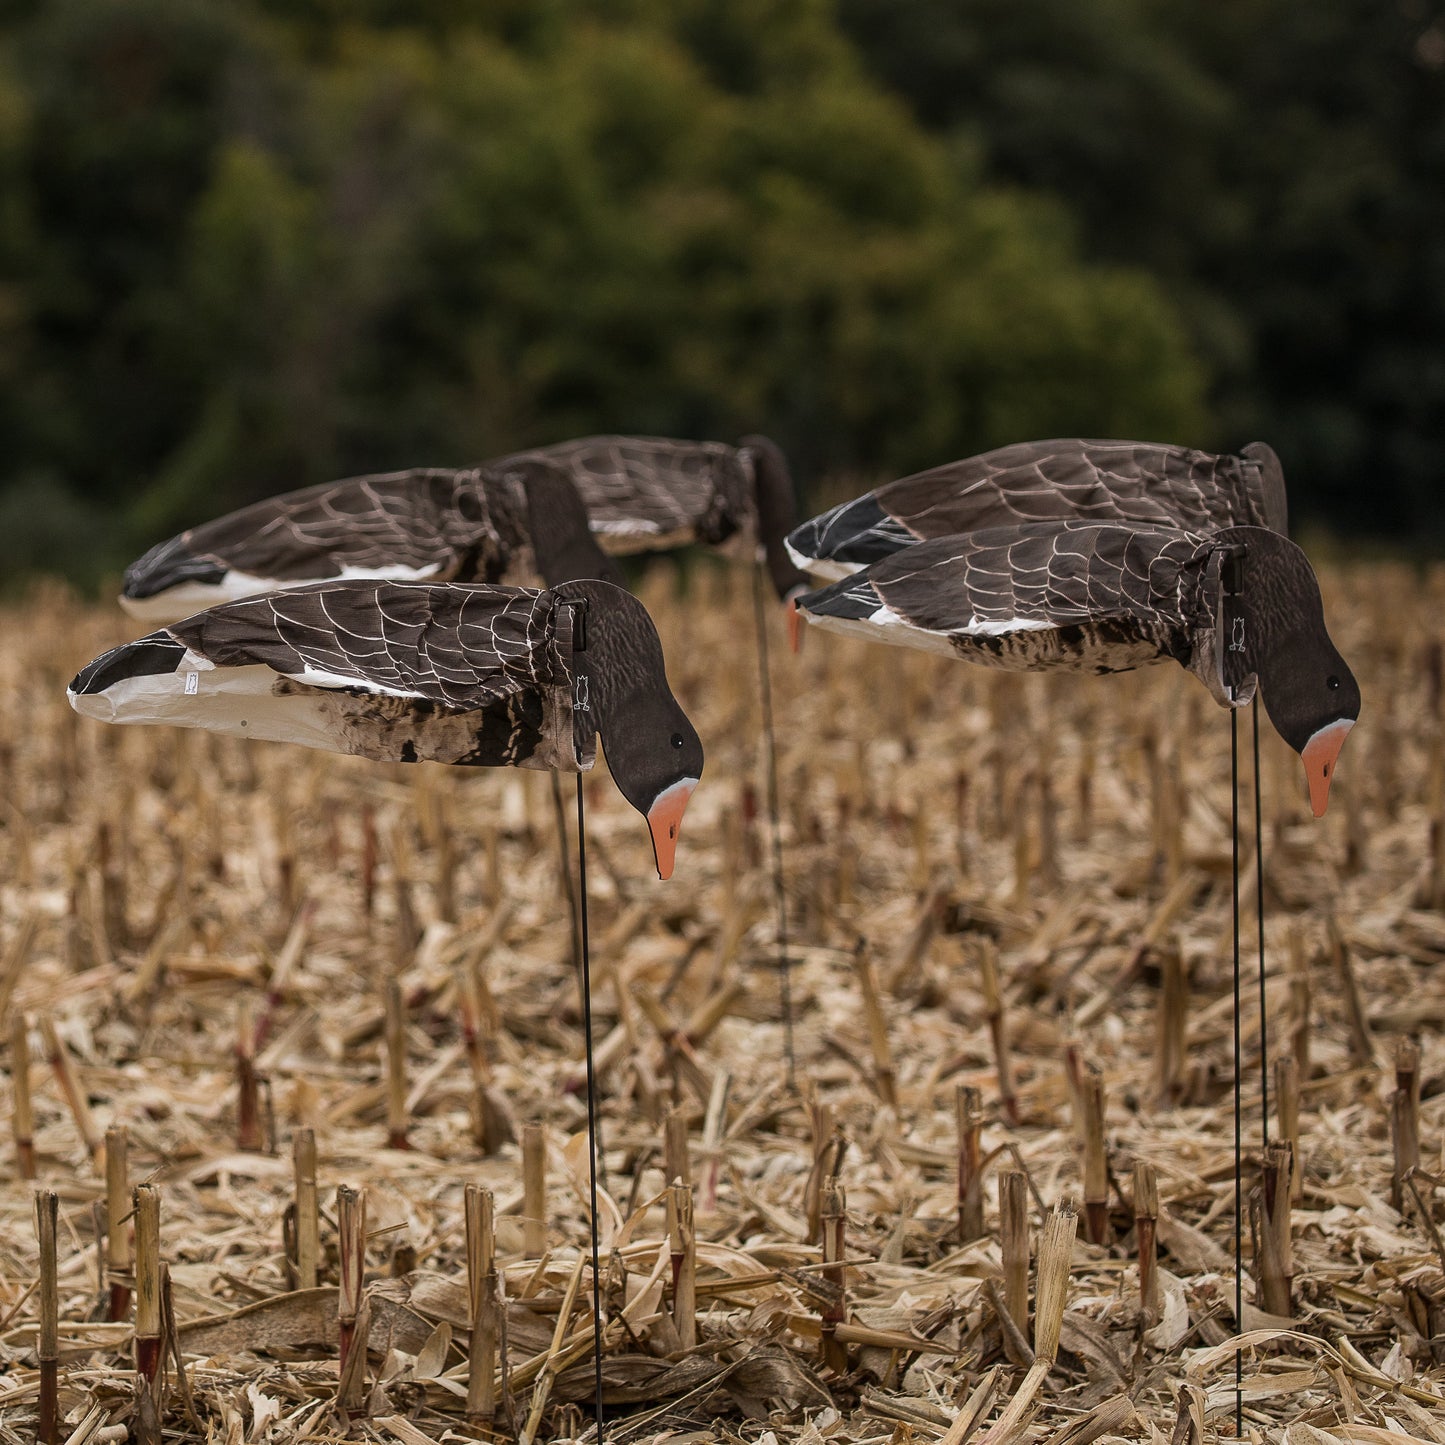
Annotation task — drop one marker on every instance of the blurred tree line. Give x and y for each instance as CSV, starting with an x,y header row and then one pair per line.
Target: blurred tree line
x,y
1278,165
250,246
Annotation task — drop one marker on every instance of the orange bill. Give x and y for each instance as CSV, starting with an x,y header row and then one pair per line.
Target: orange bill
x,y
1319,755
795,626
664,818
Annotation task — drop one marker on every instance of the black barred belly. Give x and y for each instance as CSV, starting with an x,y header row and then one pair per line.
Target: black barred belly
x,y
1093,647
508,735
505,734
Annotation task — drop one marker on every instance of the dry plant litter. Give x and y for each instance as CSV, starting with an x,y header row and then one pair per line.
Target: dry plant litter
x,y
325,1016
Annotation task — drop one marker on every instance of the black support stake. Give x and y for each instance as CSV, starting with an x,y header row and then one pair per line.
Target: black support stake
x,y
591,1098
785,980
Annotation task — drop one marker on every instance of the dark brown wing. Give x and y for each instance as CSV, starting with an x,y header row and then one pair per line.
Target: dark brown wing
x,y
1042,589
1032,482
461,646
428,522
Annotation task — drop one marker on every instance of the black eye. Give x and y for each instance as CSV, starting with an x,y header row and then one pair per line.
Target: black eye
x,y
1332,683
677,740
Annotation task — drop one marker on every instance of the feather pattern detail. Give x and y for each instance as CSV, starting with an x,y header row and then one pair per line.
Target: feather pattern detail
x,y
1062,480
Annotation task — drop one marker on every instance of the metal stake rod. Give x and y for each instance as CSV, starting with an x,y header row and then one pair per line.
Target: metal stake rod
x,y
785,981
591,1099
1238,1100
1259,919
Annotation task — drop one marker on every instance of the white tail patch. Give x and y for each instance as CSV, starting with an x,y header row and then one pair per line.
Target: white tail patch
x,y
188,598
827,569
1003,626
897,632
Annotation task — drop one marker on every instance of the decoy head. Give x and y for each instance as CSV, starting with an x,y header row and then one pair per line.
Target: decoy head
x,y
777,516
1271,485
653,751
558,524
1309,692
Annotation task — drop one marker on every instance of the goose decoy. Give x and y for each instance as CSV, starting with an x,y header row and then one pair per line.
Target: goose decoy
x,y
1237,607
476,675
510,522
1048,481
644,494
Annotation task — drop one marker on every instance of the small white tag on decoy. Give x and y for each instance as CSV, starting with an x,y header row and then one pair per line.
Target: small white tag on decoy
x,y
193,682
581,698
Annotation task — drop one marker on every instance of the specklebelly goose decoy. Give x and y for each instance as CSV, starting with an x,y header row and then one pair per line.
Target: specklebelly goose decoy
x,y
409,672
1235,607
647,493
1048,481
512,522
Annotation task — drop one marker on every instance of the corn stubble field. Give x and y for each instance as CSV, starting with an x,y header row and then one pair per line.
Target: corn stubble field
x,y
1009,907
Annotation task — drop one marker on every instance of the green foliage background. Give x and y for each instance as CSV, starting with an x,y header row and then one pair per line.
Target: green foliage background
x,y
246,247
